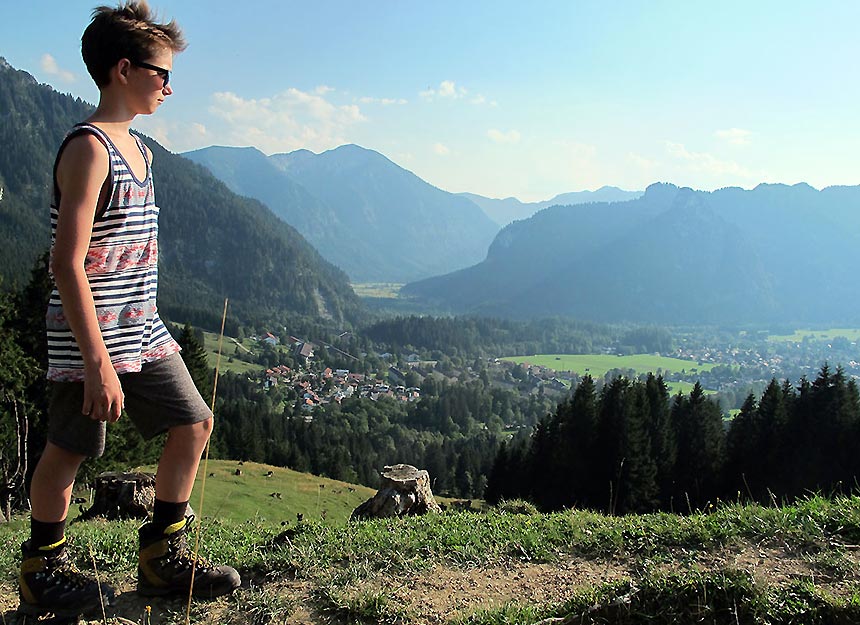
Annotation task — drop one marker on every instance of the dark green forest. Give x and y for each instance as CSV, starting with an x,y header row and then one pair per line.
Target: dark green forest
x,y
630,447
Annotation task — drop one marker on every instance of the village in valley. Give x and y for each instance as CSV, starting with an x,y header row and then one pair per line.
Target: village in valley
x,y
730,365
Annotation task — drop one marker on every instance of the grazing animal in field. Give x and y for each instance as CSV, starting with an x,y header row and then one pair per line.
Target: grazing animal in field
x,y
269,473
237,472
211,475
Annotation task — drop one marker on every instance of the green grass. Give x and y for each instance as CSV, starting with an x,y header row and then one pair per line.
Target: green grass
x,y
383,290
598,364
248,496
852,334
210,343
353,571
685,388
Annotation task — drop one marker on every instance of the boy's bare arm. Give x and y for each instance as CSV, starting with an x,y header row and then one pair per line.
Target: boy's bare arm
x,y
81,173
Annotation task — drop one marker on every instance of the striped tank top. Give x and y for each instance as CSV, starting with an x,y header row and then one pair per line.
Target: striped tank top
x,y
122,269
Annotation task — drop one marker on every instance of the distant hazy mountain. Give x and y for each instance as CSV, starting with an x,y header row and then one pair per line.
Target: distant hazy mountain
x,y
772,254
374,219
212,243
511,209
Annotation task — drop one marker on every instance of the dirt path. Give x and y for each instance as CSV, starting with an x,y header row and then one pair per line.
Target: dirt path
x,y
443,593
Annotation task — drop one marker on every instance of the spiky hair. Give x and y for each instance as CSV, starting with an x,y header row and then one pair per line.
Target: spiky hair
x,y
128,31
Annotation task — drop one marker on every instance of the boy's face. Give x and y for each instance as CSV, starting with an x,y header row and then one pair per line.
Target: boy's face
x,y
147,80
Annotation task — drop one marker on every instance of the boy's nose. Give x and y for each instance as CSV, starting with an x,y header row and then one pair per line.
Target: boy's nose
x,y
167,90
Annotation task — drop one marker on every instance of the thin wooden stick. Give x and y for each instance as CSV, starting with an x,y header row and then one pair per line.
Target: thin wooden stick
x,y
205,469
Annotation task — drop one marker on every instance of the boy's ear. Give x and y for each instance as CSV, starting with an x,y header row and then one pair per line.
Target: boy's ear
x,y
121,70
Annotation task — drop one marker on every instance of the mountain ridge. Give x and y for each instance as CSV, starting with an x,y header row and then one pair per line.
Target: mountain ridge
x,y
368,215
763,255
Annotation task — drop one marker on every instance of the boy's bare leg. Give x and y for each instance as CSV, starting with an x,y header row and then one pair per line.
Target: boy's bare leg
x,y
53,479
164,565
179,460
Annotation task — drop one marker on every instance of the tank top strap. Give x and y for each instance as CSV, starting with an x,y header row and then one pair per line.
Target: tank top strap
x,y
98,133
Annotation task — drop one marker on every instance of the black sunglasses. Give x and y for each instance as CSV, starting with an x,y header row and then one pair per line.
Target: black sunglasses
x,y
164,73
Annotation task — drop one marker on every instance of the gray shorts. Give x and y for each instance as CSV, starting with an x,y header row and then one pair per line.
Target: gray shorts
x,y
158,398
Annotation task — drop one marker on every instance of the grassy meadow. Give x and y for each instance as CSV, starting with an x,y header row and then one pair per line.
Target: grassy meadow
x,y
279,497
852,334
598,364
228,348
380,290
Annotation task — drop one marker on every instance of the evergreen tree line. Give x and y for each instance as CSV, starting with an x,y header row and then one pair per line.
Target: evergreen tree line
x,y
630,447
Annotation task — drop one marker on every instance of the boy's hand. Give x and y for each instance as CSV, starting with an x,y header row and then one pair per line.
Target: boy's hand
x,y
103,396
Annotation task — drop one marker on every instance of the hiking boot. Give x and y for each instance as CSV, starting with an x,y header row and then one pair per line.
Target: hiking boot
x,y
50,582
165,564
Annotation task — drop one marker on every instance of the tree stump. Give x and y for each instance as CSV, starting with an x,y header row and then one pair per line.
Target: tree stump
x,y
122,496
404,491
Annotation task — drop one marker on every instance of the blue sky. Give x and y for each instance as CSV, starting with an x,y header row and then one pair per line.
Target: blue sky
x,y
503,98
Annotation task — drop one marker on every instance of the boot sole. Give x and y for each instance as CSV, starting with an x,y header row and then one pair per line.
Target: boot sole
x,y
200,592
29,609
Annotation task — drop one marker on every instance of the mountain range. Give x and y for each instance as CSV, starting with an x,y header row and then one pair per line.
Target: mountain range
x,y
212,243
773,254
511,209
370,217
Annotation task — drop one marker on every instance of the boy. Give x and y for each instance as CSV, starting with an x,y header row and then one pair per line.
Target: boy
x,y
107,347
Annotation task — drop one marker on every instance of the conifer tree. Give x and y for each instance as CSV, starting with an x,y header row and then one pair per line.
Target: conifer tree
x,y
194,355
663,444
741,440
578,435
639,488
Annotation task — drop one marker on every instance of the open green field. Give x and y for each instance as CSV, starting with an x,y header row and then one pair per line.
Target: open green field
x,y
685,388
249,495
598,364
386,290
210,343
852,334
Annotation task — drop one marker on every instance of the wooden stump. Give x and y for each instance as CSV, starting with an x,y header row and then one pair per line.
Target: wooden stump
x,y
122,496
404,491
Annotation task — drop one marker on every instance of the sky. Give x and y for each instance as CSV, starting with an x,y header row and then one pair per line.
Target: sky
x,y
502,98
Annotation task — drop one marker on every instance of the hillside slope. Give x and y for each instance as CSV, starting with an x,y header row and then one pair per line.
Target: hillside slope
x,y
372,218
213,243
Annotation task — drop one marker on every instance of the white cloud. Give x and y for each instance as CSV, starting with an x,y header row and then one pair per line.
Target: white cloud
x,y
323,89
512,136
707,163
287,121
734,136
176,136
479,99
447,89
441,150
382,101
642,162
50,67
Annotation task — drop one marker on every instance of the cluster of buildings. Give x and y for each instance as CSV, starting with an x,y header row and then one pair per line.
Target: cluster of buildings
x,y
314,389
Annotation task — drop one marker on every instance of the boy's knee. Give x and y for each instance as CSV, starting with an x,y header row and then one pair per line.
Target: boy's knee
x,y
198,432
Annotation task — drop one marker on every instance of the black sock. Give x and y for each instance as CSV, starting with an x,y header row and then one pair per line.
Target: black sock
x,y
46,534
166,513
